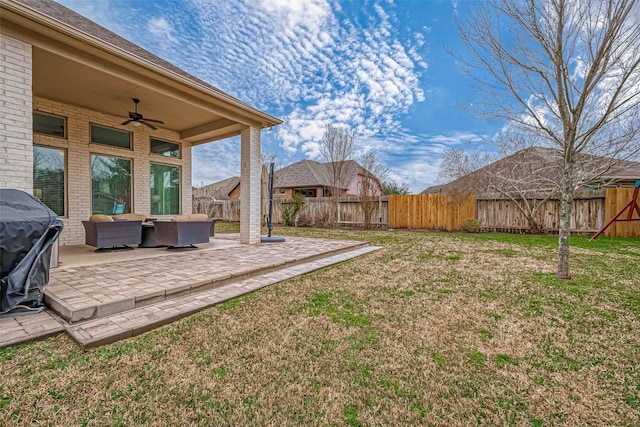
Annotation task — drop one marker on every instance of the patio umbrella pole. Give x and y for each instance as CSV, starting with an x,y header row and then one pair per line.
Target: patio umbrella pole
x,y
269,238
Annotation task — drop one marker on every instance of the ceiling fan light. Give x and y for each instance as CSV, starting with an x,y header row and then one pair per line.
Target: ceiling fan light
x,y
136,123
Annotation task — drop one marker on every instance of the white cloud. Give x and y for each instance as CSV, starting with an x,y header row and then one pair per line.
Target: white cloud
x,y
161,28
456,138
293,14
309,62
215,161
333,67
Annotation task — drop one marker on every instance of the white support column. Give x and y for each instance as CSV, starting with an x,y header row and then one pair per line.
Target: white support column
x,y
250,185
16,117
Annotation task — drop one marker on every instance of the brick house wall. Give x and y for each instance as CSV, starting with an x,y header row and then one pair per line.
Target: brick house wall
x,y
235,193
352,189
16,119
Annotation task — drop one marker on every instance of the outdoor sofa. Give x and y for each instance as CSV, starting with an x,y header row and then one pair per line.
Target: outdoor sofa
x,y
106,232
184,230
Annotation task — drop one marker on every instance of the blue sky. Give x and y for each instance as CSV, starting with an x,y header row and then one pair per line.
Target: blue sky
x,y
379,67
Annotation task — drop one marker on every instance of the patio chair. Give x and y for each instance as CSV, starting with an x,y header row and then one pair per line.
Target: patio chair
x,y
183,231
105,233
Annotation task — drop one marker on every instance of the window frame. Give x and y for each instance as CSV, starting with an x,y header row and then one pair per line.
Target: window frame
x,y
306,192
129,201
110,128
58,116
180,189
65,177
161,155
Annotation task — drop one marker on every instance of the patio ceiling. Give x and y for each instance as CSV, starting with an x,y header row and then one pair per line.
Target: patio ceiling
x,y
76,68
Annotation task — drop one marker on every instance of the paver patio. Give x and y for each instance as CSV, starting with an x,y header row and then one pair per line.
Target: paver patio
x,y
101,297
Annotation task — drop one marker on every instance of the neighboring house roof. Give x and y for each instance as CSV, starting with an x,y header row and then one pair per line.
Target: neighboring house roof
x,y
219,190
309,173
536,169
96,69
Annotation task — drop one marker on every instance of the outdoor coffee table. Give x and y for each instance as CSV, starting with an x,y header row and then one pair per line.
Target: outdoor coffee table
x,y
149,236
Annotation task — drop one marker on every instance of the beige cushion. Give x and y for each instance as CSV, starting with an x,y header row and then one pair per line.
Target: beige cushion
x,y
100,218
131,217
179,218
198,217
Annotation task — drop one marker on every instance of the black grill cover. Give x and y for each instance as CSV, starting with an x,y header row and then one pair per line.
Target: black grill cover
x,y
28,229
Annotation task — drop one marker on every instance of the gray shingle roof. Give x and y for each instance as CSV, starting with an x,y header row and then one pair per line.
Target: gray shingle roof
x,y
309,173
220,189
534,169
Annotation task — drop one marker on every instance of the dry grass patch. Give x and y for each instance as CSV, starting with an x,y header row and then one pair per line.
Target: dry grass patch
x,y
441,329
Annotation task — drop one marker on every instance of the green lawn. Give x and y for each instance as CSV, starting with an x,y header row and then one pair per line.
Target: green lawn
x,y
433,329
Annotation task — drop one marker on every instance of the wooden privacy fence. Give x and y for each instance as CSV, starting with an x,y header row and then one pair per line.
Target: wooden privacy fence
x,y
431,211
316,211
615,201
591,211
587,215
448,211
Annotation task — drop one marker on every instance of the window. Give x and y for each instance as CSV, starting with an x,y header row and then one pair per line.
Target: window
x,y
306,192
110,185
165,189
109,136
48,177
49,124
165,148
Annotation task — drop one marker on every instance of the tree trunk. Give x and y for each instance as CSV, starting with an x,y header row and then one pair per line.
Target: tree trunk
x,y
566,207
366,211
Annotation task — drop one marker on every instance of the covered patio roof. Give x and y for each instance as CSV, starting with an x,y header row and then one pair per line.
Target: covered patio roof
x,y
77,62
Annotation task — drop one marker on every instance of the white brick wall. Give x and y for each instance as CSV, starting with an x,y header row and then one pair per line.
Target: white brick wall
x,y
16,149
79,150
250,184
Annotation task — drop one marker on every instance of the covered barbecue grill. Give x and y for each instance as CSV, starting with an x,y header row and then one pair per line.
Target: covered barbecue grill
x,y
28,230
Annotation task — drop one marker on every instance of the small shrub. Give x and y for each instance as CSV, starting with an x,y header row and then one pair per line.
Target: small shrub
x,y
304,220
321,220
290,209
471,226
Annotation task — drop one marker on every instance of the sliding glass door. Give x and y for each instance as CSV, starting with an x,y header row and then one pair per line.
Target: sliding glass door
x,y
165,189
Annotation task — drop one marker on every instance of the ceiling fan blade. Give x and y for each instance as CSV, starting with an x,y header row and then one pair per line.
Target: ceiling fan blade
x,y
155,121
148,125
126,122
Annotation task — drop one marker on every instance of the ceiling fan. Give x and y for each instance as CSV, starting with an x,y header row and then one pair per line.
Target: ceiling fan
x,y
138,119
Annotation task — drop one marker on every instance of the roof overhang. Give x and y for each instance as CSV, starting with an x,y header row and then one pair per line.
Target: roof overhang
x,y
76,68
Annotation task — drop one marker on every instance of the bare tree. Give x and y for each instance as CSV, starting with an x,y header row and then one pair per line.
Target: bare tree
x,y
370,188
457,162
337,147
526,175
565,71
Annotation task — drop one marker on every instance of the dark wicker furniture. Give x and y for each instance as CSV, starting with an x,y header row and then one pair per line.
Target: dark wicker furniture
x,y
176,234
113,234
